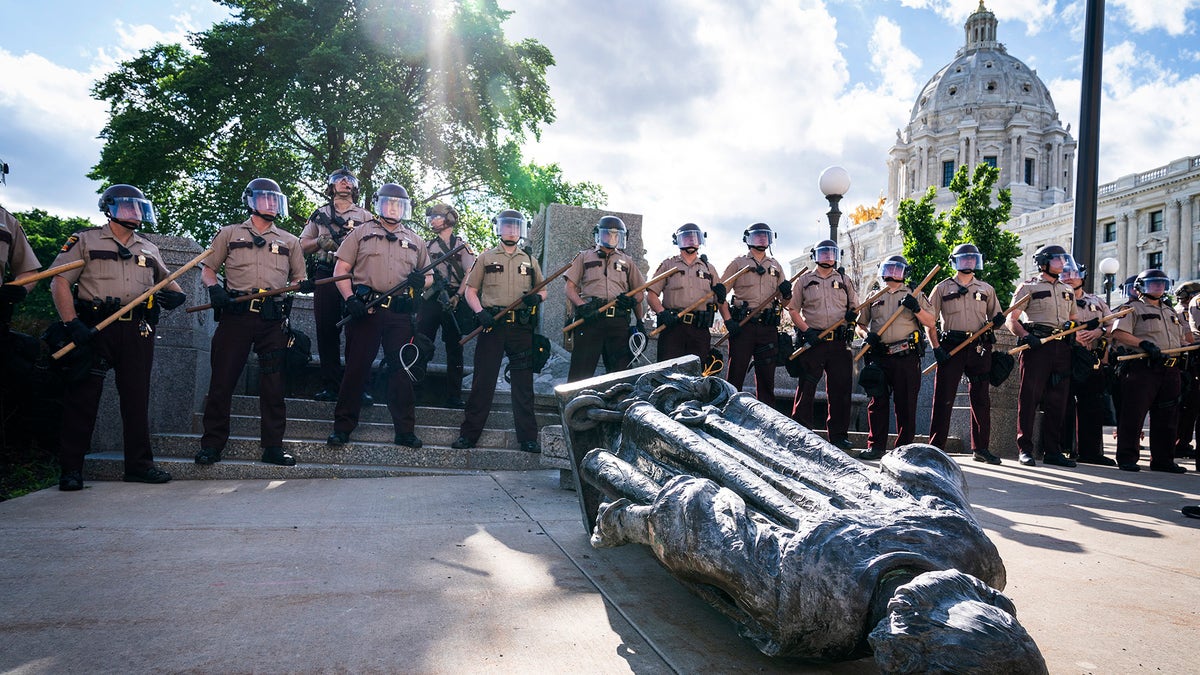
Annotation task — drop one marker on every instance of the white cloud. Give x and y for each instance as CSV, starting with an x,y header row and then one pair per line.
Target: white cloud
x,y
1166,15
1035,14
895,63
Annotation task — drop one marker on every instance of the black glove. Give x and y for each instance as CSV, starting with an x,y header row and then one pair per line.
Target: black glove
x,y
940,355
11,294
218,297
850,316
416,280
668,317
625,303
1152,351
720,293
1029,339
1092,324
812,336
307,286
587,311
169,299
485,319
355,307
785,289
873,339
911,304
532,300
998,320
80,332
733,327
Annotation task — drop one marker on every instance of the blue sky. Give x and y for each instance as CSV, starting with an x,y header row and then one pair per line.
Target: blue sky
x,y
722,113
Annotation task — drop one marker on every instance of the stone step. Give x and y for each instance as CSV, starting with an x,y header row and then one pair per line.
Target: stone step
x,y
302,408
368,432
110,466
356,452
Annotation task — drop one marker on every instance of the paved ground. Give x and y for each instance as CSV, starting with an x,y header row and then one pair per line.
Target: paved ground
x,y
493,572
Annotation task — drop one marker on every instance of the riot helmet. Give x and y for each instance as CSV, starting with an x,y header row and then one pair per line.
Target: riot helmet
x,y
265,199
966,258
689,237
128,206
758,236
344,176
1186,291
1153,284
610,233
1128,287
1046,255
440,216
894,268
1071,271
392,203
826,253
510,226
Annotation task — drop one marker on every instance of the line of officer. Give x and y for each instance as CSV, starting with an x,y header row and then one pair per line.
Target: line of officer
x,y
759,338
821,298
897,351
119,265
381,254
686,333
323,233
501,276
1045,366
1186,295
1083,421
257,255
1149,385
437,310
596,276
963,304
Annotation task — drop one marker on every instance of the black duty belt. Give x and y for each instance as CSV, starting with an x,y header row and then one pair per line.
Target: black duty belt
x,y
93,312
522,316
1041,330
400,303
270,305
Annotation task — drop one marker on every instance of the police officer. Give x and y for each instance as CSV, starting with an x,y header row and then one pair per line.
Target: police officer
x,y
821,298
597,276
897,351
686,333
1083,421
257,255
1188,295
441,299
119,265
963,304
18,259
325,230
381,254
1152,384
759,338
501,276
1045,366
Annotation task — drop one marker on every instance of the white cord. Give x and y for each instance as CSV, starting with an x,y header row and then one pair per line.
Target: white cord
x,y
637,346
407,364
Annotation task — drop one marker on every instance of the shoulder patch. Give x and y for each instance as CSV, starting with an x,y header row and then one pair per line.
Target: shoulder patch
x,y
70,243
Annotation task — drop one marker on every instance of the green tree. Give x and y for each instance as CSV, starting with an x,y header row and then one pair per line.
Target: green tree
x,y
46,235
930,236
427,94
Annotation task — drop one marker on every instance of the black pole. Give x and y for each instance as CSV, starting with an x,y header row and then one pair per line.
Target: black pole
x,y
834,215
1089,138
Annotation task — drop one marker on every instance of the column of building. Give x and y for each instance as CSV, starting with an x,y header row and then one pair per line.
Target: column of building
x,y
1187,250
1171,255
1128,228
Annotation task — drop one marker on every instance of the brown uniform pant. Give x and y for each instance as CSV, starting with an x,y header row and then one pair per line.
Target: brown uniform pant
x,y
1083,423
1189,410
327,311
515,341
131,356
1152,389
834,360
976,366
606,337
231,344
363,339
432,317
681,340
903,377
760,342
1045,375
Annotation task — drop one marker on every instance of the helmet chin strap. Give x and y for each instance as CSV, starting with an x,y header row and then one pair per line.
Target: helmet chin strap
x,y
131,225
760,249
391,221
894,281
269,217
690,250
826,265
967,271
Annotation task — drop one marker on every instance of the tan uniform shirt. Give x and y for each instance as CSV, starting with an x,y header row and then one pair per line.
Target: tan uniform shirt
x,y
965,312
380,262
502,278
1087,307
606,277
1193,316
823,301
684,288
16,255
1051,303
104,273
249,267
1159,325
877,313
353,217
464,258
753,288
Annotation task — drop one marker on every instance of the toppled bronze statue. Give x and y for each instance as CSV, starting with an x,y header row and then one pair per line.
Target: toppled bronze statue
x,y
812,553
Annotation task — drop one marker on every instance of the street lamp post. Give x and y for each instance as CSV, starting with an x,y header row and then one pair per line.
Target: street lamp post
x,y
834,183
1109,268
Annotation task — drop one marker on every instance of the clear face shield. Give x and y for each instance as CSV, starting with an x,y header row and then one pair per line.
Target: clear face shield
x,y
1059,262
968,262
131,210
510,230
760,239
893,270
826,255
268,204
393,209
689,239
1070,272
343,183
1155,287
610,238
437,221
